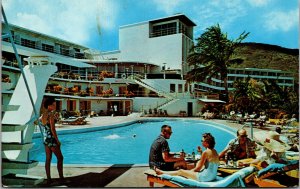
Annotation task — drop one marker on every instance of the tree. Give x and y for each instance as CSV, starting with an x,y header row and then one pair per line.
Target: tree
x,y
283,98
252,95
247,96
212,55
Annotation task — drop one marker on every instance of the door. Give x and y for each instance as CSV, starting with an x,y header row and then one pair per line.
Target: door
x,y
190,109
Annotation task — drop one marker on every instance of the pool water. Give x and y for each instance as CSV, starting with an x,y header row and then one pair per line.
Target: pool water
x,y
131,144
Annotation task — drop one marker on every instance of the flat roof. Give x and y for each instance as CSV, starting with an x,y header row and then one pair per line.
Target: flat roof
x,y
181,17
211,100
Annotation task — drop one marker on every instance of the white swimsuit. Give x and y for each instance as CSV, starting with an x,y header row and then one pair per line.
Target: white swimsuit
x,y
209,173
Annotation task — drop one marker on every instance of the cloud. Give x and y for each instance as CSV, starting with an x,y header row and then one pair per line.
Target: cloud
x,y
258,3
70,20
168,6
281,21
36,23
218,11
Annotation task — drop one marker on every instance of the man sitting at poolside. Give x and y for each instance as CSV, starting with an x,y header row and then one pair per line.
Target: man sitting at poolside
x,y
241,147
160,156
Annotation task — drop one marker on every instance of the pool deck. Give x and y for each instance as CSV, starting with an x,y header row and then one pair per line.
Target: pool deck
x,y
84,176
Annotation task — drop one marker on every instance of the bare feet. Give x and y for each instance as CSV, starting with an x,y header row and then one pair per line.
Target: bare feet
x,y
158,171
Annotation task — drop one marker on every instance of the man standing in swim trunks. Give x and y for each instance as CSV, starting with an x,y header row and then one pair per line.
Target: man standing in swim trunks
x,y
160,156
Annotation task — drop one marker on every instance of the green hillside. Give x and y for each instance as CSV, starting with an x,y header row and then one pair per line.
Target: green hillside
x,y
257,55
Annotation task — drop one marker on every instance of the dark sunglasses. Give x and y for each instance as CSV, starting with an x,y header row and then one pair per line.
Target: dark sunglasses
x,y
244,136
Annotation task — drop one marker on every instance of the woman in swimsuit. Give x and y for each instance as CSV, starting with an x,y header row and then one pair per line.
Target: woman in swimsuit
x,y
51,142
206,168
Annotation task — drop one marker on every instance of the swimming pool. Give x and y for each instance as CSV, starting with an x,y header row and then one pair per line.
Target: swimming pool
x,y
131,144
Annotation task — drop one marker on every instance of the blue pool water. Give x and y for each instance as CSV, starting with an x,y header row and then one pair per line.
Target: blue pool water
x,y
118,146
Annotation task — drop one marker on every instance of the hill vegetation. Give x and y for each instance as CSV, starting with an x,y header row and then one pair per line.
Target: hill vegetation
x,y
258,55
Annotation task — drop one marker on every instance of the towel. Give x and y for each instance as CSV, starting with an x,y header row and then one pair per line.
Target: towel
x,y
234,180
278,167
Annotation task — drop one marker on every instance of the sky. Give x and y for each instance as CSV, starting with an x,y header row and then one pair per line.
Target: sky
x,y
95,23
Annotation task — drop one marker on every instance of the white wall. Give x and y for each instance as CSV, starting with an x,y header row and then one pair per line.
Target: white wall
x,y
146,103
164,84
181,105
135,45
98,105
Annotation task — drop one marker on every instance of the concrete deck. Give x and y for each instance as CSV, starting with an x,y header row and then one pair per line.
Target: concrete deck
x,y
85,176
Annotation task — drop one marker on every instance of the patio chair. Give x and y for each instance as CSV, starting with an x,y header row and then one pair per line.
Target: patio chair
x,y
234,180
264,176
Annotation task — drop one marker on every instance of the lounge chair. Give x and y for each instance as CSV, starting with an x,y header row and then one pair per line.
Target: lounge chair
x,y
291,127
275,121
74,121
234,180
264,176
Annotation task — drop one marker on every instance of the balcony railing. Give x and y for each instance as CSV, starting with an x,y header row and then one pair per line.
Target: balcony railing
x,y
32,44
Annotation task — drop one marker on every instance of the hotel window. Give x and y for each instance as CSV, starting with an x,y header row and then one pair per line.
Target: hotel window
x,y
64,50
186,86
27,43
172,88
71,105
48,48
180,88
163,29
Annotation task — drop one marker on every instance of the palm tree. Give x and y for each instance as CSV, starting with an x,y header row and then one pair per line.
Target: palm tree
x,y
284,98
212,55
247,95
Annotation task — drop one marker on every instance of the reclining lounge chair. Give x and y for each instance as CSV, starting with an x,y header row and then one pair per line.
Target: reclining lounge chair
x,y
74,121
264,176
234,180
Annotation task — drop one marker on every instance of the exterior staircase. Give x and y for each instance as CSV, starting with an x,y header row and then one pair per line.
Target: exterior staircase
x,y
18,128
18,117
170,98
148,86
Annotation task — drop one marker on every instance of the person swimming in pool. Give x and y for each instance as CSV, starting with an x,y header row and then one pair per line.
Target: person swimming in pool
x,y
206,168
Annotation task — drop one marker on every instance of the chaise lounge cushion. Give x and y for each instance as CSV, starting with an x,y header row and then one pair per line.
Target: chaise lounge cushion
x,y
234,180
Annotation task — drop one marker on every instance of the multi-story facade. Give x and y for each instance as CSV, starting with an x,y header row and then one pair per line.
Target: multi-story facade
x,y
282,78
126,80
